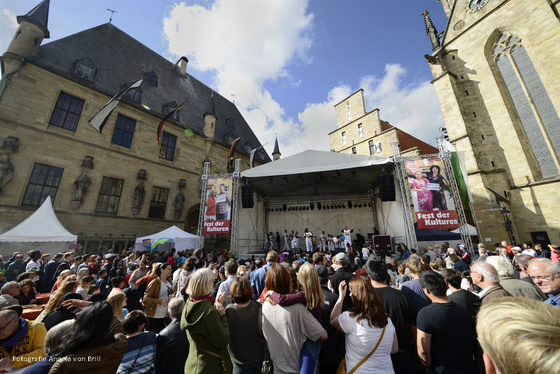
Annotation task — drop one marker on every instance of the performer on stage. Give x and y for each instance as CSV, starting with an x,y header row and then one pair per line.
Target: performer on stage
x,y
295,241
330,243
347,237
271,240
336,241
308,241
286,239
323,240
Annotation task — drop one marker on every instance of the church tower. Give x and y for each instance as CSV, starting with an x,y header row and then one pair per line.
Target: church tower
x,y
210,119
276,153
497,79
27,39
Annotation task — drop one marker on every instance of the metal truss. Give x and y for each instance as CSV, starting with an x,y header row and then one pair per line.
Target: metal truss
x,y
445,155
234,224
204,178
405,195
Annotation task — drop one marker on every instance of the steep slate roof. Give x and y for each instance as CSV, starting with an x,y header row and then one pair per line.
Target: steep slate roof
x,y
38,16
276,148
408,141
120,59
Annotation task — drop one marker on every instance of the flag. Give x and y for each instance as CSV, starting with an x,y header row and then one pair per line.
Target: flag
x,y
169,115
100,118
252,158
459,177
231,151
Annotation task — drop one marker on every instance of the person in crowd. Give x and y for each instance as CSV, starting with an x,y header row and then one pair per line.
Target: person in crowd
x,y
465,254
554,252
366,325
405,252
9,292
96,333
182,274
445,331
458,263
102,282
32,262
522,340
21,341
206,327
13,269
459,296
243,316
118,303
512,285
48,278
542,252
172,342
64,264
482,252
27,293
67,286
546,275
84,272
61,313
435,267
140,354
52,341
78,260
523,262
486,277
333,348
257,277
231,274
413,288
3,280
118,284
342,274
401,277
528,250
157,297
287,328
402,312
83,286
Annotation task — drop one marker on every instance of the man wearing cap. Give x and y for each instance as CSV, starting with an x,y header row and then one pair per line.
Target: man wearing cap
x,y
342,274
546,274
257,279
465,255
333,349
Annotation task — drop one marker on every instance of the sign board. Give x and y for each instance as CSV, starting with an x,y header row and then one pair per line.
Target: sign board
x,y
73,246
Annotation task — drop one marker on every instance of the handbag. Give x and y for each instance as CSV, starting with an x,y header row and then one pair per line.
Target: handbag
x,y
342,367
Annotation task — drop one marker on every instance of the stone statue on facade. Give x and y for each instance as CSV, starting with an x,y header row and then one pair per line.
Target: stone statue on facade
x,y
179,203
139,193
87,162
80,187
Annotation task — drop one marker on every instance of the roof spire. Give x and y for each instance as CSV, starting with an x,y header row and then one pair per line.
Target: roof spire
x,y
211,107
276,153
431,31
39,16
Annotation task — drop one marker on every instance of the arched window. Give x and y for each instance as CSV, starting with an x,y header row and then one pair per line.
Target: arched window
x,y
531,101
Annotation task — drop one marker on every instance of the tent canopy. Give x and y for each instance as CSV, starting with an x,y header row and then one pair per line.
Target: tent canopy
x,y
182,240
472,230
435,234
41,226
312,173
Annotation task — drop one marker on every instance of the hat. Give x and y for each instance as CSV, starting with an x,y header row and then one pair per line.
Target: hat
x,y
461,245
516,248
3,271
32,270
108,256
341,257
323,273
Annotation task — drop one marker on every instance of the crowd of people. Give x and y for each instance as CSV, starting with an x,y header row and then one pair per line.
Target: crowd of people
x,y
435,310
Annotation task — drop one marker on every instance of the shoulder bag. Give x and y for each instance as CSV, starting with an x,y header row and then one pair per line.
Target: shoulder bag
x,y
342,366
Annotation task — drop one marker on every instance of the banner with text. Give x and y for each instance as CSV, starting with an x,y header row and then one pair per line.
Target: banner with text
x,y
218,206
433,203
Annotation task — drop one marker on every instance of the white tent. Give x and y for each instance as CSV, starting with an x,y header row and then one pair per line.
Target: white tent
x,y
41,226
178,239
472,230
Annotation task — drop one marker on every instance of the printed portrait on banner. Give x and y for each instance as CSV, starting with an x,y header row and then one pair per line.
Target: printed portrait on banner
x,y
217,213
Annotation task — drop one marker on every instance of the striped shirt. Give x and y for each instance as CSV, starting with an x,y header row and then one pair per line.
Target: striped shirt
x,y
141,348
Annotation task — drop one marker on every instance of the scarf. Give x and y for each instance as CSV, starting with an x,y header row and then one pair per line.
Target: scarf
x,y
206,297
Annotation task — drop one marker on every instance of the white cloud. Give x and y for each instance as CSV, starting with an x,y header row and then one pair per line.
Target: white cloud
x,y
9,19
244,44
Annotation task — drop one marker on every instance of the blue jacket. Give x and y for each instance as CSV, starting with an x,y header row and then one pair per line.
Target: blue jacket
x,y
257,281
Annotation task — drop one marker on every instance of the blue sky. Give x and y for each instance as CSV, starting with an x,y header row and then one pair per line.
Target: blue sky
x,y
287,62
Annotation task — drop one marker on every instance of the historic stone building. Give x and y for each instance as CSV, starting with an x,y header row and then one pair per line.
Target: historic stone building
x,y
365,133
496,70
107,187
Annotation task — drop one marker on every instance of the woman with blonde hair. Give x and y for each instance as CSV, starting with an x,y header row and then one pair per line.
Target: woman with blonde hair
x,y
311,296
118,302
366,325
206,326
68,285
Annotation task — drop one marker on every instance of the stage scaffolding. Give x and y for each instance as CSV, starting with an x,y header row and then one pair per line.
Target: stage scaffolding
x,y
234,202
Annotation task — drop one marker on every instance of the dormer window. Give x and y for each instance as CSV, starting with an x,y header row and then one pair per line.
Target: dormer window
x,y
134,94
152,78
261,154
230,122
229,137
85,68
248,147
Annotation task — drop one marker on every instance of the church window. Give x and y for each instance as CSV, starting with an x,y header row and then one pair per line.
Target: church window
x,y
84,71
360,130
44,182
167,150
371,149
349,116
536,112
158,203
67,111
109,195
124,130
344,138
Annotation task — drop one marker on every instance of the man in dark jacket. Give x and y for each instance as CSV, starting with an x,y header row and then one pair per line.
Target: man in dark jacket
x,y
486,277
342,274
172,342
48,275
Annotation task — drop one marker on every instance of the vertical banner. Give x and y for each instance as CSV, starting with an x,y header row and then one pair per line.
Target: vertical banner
x,y
433,202
218,206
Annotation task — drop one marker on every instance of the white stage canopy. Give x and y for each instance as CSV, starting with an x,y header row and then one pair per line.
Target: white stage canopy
x,y
317,173
41,226
472,230
178,239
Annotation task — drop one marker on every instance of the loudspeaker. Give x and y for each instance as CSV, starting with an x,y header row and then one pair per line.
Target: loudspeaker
x,y
247,197
386,187
319,206
312,206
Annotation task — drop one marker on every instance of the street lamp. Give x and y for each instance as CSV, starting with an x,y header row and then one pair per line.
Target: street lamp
x,y
507,223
